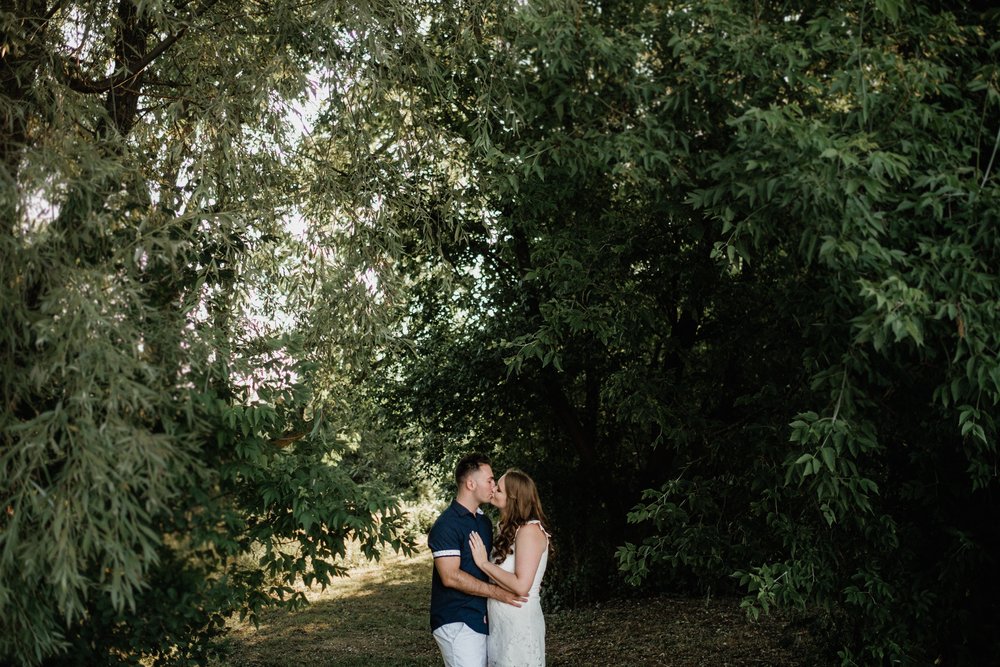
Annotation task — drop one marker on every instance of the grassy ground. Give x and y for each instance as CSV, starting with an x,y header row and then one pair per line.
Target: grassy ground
x,y
378,617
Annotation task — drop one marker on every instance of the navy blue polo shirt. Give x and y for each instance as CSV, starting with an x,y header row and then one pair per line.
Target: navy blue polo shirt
x,y
450,537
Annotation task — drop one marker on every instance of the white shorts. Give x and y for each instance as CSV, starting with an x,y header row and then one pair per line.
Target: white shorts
x,y
461,646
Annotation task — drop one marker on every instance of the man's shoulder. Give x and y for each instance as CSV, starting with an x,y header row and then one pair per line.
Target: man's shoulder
x,y
446,516
446,535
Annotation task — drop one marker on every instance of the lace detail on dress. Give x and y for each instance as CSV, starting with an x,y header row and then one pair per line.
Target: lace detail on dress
x,y
517,634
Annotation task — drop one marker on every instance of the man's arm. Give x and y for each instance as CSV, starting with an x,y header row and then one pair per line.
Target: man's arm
x,y
454,577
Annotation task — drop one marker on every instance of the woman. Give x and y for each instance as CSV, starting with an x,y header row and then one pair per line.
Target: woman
x,y
520,553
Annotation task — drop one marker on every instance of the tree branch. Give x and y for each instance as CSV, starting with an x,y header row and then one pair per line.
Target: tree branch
x,y
59,4
124,78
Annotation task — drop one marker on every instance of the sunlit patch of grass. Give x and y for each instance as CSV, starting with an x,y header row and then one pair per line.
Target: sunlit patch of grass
x,y
377,616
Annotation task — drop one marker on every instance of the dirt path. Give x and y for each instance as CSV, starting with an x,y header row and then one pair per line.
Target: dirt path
x,y
378,617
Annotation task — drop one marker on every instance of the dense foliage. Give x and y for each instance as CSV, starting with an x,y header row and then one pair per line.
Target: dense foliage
x,y
740,254
165,459
720,275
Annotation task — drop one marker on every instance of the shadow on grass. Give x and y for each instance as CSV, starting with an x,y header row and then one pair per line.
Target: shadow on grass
x,y
674,632
379,617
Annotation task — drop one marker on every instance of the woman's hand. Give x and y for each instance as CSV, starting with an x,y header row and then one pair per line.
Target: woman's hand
x,y
479,554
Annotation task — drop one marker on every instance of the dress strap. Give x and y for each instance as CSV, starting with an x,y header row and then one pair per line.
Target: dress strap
x,y
540,526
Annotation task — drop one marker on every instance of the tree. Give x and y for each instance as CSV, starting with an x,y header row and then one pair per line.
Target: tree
x,y
164,458
865,171
733,252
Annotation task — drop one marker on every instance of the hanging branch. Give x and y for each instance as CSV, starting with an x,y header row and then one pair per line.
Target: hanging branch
x,y
129,75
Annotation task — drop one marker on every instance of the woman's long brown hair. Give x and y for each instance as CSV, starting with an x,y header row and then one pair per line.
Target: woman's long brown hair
x,y
523,505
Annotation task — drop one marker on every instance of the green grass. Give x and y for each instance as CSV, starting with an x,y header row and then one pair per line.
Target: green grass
x,y
378,617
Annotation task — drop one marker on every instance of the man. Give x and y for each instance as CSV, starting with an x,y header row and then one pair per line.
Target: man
x,y
458,588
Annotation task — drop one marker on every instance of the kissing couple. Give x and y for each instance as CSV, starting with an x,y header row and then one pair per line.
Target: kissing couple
x,y
485,607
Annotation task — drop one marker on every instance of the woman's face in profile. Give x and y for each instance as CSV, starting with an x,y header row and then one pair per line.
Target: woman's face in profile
x,y
499,499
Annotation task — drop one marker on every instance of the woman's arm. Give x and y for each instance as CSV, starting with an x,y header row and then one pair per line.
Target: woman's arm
x,y
529,545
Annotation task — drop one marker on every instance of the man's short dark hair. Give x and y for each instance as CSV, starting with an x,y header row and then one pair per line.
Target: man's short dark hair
x,y
469,464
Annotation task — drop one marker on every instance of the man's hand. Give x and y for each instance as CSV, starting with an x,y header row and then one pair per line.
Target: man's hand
x,y
501,594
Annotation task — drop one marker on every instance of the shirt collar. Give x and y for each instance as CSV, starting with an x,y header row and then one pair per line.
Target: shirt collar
x,y
462,511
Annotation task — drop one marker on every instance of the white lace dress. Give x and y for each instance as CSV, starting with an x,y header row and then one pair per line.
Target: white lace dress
x,y
517,634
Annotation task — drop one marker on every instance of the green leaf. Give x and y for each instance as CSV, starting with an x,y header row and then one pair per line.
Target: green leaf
x,y
829,455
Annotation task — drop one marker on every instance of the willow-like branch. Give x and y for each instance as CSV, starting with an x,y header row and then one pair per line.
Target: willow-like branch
x,y
82,85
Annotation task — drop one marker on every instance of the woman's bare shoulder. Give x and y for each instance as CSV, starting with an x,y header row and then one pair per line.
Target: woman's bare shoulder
x,y
535,534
